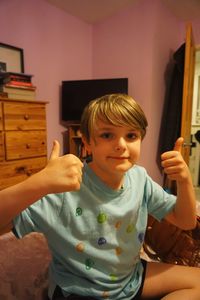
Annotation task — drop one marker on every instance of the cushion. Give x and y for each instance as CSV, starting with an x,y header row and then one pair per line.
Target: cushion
x,y
24,267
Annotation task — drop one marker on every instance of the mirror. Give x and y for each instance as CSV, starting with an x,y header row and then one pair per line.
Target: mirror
x,y
194,162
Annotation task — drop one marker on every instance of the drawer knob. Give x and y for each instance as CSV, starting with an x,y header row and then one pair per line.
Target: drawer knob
x,y
28,146
23,170
26,117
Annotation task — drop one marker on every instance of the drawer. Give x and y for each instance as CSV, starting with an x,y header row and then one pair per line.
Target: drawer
x,y
24,116
1,147
1,117
17,171
25,144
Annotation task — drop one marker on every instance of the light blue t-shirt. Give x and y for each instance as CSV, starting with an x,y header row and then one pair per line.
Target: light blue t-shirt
x,y
95,234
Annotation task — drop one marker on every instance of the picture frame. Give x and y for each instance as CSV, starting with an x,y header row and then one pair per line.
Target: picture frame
x,y
11,59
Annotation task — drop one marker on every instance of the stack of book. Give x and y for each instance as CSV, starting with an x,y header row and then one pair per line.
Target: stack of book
x,y
17,86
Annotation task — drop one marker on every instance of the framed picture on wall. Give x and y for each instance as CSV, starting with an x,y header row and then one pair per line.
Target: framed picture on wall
x,y
11,59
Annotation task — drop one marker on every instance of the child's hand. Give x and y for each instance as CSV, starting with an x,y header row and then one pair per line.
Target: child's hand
x,y
173,163
62,173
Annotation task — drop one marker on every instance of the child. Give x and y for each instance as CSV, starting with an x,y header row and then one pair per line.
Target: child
x,y
94,216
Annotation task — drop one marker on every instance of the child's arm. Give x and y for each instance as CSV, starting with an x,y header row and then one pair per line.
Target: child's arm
x,y
184,213
61,174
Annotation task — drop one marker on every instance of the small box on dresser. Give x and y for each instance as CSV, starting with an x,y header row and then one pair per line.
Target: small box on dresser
x,y
23,139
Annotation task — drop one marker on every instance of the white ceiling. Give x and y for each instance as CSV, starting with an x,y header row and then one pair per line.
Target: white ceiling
x,y
93,11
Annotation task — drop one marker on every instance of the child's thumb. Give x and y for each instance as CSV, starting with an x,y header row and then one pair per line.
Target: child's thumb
x,y
178,144
55,152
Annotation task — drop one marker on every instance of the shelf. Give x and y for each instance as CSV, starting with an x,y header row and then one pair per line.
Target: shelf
x,y
73,142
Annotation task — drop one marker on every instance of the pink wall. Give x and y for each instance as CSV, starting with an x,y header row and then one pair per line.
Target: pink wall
x,y
136,43
56,46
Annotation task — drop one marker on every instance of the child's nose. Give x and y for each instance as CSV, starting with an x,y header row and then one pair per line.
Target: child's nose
x,y
120,145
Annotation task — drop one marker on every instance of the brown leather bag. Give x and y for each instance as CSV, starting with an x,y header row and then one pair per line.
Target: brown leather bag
x,y
166,242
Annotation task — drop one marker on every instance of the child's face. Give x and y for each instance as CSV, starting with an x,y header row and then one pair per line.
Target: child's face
x,y
115,149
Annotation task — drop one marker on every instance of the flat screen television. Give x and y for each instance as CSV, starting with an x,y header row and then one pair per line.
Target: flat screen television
x,y
76,94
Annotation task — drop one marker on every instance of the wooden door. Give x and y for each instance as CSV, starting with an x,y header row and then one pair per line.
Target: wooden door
x,y
186,115
188,92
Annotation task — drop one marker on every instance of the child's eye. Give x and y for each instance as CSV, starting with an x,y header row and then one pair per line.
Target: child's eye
x,y
132,136
106,135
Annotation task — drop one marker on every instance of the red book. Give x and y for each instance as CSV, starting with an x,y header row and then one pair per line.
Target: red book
x,y
23,87
20,83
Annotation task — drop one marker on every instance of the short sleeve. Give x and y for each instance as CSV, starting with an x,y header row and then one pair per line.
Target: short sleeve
x,y
159,202
39,216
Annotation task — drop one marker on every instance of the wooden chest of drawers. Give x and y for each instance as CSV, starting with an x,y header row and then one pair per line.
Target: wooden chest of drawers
x,y
23,147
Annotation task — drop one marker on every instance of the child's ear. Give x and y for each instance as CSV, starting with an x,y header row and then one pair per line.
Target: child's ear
x,y
86,145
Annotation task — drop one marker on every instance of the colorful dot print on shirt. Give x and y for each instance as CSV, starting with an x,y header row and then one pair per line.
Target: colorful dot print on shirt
x,y
113,277
102,241
118,251
101,218
89,263
79,211
118,224
80,247
141,237
105,294
130,228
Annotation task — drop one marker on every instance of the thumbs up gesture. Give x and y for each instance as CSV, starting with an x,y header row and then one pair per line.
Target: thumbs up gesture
x,y
62,173
173,163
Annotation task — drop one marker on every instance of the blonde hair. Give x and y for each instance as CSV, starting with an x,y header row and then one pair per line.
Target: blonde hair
x,y
115,109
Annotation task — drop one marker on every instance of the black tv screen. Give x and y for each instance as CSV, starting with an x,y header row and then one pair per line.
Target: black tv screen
x,y
76,94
